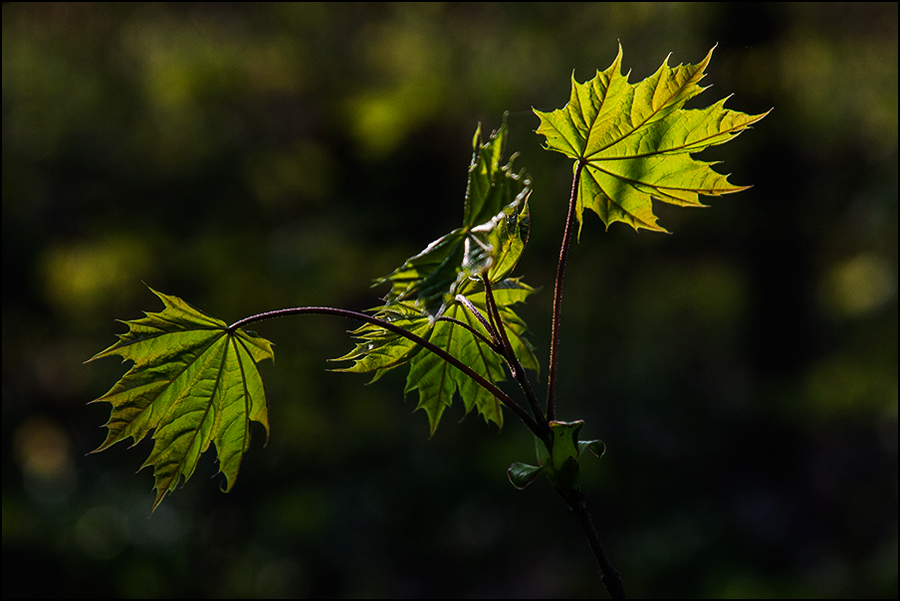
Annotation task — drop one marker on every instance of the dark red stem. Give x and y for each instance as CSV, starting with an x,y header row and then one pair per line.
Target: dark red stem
x,y
610,577
557,294
481,381
515,366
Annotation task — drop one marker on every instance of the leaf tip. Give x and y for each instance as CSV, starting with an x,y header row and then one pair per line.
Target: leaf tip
x,y
476,142
102,447
159,498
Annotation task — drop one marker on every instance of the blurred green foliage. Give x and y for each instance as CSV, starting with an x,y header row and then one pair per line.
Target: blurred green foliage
x,y
256,156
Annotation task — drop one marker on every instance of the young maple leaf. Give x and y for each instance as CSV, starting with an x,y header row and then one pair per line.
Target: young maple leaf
x,y
193,382
378,351
634,142
494,232
426,293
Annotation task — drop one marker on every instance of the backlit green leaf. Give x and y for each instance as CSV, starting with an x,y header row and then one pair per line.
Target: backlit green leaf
x,y
193,383
494,232
379,350
426,291
635,141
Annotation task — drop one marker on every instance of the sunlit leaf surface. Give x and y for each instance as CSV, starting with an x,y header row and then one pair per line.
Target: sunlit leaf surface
x,y
192,383
426,292
494,232
379,350
635,141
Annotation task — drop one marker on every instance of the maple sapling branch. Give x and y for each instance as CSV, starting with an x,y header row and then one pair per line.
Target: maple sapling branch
x,y
632,145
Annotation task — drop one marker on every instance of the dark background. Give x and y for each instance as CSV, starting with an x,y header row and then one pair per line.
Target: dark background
x,y
742,371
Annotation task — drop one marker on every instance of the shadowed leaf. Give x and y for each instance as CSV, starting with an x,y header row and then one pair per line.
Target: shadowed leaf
x,y
193,383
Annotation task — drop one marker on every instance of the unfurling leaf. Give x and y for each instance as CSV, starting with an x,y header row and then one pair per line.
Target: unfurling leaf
x,y
560,461
523,474
635,142
193,382
494,232
438,295
597,447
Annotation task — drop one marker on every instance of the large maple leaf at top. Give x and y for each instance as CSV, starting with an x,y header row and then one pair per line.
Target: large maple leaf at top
x,y
194,382
634,141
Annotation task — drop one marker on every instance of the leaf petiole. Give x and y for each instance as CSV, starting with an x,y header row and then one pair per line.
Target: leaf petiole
x,y
515,366
494,343
557,294
538,430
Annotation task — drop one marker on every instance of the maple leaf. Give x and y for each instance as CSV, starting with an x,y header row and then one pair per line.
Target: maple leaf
x,y
438,295
494,231
193,382
634,141
378,350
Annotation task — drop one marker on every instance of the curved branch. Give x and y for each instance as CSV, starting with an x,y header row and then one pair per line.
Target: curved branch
x,y
489,326
478,378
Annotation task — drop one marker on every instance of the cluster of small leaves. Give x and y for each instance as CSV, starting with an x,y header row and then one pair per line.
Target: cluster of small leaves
x,y
438,294
491,240
560,461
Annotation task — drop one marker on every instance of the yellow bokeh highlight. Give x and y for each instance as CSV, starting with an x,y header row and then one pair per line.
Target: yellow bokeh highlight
x,y
42,448
79,278
861,285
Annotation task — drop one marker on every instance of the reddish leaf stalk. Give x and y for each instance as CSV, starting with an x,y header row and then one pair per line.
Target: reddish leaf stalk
x,y
557,294
490,343
488,325
481,381
515,366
